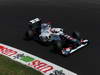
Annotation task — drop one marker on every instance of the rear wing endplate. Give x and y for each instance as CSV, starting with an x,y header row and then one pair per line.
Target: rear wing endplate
x,y
34,20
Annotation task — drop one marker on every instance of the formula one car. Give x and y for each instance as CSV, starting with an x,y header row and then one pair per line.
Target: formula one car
x,y
63,43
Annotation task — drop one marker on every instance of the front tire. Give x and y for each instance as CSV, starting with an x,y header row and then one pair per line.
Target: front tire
x,y
58,45
76,35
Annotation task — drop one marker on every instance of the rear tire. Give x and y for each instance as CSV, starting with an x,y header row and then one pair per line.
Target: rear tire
x,y
30,34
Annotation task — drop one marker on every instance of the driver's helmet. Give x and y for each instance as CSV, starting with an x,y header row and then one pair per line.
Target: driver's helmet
x,y
45,25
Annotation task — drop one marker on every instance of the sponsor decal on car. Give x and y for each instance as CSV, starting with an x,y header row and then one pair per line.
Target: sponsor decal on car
x,y
45,67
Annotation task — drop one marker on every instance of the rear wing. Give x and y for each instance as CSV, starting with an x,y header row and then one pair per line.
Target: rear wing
x,y
34,20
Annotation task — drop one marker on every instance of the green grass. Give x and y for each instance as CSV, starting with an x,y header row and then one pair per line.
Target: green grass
x,y
10,67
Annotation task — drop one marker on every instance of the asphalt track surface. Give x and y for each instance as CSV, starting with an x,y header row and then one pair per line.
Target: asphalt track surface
x,y
82,16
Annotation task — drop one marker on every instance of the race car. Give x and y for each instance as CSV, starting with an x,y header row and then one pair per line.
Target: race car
x,y
63,43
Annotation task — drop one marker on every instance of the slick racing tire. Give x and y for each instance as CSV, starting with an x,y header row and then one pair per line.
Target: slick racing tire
x,y
30,34
58,45
76,35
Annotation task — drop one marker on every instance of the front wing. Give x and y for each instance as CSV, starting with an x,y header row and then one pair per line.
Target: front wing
x,y
67,51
